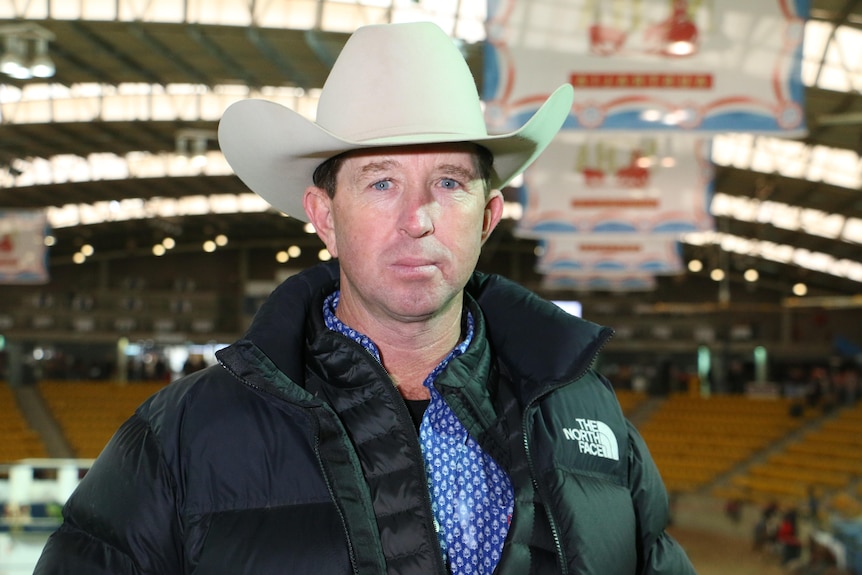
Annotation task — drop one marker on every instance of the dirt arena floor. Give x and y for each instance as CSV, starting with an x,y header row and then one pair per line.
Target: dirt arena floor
x,y
722,554
715,544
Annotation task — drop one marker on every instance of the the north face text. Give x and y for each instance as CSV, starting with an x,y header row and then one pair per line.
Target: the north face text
x,y
594,438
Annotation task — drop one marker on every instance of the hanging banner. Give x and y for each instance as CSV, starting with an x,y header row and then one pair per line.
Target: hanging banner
x,y
666,65
618,183
589,282
611,255
23,255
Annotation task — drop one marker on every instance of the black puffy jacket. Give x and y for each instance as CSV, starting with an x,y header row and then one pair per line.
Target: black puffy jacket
x,y
297,455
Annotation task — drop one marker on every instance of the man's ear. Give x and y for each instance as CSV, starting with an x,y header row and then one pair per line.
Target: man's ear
x,y
318,208
493,213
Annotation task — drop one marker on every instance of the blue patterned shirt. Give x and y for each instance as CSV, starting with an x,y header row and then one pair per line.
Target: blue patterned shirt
x,y
471,496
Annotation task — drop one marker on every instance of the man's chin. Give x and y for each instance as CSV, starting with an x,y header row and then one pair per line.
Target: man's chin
x,y
421,304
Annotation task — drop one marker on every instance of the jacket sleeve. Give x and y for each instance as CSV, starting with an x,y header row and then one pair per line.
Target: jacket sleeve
x,y
122,517
659,553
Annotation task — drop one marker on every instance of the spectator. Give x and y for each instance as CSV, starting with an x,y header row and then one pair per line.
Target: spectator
x,y
766,528
788,537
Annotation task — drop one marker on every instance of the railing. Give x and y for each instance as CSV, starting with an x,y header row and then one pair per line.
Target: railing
x,y
31,488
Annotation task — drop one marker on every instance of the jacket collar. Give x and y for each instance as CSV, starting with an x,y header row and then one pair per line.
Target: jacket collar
x,y
523,329
536,340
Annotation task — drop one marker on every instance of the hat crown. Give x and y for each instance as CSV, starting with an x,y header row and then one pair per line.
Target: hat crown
x,y
392,85
400,80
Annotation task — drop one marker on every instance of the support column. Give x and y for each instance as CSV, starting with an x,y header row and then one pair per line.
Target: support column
x,y
15,367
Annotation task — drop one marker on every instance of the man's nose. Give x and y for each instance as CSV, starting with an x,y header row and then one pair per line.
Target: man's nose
x,y
418,212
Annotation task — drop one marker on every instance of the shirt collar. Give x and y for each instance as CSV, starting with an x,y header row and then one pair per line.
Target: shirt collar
x,y
332,322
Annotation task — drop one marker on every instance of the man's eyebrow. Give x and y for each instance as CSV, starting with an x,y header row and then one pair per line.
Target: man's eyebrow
x,y
460,172
455,170
378,166
373,169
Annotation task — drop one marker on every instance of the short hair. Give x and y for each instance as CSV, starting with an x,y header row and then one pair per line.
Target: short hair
x,y
326,174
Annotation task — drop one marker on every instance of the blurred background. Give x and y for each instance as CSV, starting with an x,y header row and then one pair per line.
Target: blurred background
x,y
703,199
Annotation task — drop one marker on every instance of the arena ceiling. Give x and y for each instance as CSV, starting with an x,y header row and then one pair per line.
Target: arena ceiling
x,y
111,53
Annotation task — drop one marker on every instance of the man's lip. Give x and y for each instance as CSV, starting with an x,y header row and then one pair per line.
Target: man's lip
x,y
412,263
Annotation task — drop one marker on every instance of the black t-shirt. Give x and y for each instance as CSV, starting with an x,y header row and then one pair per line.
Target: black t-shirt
x,y
417,408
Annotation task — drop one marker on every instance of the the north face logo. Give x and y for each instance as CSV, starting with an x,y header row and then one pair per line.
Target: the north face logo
x,y
594,438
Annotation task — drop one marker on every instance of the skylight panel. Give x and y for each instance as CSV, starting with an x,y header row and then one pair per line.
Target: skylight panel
x,y
789,158
781,253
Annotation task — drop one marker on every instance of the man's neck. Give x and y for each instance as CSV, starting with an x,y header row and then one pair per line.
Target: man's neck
x,y
409,351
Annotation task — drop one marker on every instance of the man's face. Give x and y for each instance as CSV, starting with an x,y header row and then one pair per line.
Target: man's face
x,y
407,225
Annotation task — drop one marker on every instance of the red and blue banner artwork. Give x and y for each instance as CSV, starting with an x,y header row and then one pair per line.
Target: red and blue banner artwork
x,y
655,65
23,255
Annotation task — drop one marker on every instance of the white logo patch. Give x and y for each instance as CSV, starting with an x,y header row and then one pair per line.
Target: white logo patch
x,y
594,438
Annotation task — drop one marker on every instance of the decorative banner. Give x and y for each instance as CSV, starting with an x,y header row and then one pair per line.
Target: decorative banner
x,y
656,65
617,183
609,255
23,255
599,283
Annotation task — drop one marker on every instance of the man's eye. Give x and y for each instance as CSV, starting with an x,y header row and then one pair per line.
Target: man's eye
x,y
382,185
449,183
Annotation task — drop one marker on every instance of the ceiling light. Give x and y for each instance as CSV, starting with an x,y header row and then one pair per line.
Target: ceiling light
x,y
751,275
194,144
221,240
42,66
324,255
25,51
22,73
294,251
199,152
87,250
717,274
12,63
169,243
695,266
159,250
282,257
800,289
209,246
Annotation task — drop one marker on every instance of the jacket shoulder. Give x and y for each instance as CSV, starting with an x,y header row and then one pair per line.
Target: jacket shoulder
x,y
537,340
585,430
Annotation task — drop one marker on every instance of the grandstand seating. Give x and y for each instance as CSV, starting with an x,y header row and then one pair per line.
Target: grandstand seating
x,y
694,439
19,441
630,400
90,412
827,458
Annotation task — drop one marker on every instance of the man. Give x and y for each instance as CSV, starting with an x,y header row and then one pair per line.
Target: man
x,y
395,412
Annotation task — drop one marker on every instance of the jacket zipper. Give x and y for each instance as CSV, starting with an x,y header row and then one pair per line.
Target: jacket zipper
x,y
405,416
350,549
555,530
442,561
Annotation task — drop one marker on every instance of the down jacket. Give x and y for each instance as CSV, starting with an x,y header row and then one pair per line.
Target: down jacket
x,y
297,455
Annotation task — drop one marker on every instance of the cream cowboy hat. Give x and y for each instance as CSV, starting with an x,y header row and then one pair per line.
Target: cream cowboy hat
x,y
392,84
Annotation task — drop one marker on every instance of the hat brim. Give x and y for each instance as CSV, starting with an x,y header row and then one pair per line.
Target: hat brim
x,y
274,150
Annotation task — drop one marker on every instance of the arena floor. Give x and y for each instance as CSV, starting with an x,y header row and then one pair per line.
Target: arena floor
x,y
715,544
